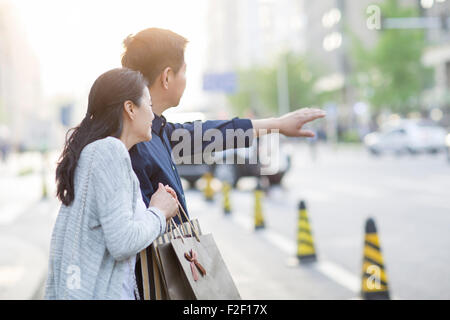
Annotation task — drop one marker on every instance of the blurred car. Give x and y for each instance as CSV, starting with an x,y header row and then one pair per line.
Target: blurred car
x,y
192,172
233,164
407,136
447,146
242,162
250,162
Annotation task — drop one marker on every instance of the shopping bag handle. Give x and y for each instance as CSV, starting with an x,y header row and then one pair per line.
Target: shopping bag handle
x,y
169,226
176,227
189,221
172,223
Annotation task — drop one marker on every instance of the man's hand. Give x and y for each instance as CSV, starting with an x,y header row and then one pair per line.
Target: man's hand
x,y
289,124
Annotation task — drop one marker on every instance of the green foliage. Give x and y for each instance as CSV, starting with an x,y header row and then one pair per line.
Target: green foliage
x,y
257,91
301,77
390,75
25,172
258,87
350,136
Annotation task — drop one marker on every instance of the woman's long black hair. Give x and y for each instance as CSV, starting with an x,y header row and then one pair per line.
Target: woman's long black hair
x,y
103,118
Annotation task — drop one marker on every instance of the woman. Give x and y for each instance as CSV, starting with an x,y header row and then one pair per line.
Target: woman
x,y
103,222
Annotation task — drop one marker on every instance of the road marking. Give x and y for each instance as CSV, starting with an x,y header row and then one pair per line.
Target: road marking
x,y
339,275
281,242
327,268
331,270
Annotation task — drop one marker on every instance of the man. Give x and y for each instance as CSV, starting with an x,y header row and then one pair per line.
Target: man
x,y
159,55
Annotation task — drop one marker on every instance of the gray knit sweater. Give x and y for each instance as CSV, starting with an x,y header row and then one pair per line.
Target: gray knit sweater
x,y
94,237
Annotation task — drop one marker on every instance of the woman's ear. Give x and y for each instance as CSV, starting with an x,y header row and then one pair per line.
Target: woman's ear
x,y
129,109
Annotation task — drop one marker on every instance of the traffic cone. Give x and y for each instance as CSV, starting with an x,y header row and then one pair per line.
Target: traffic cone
x,y
226,197
208,191
305,244
259,218
374,280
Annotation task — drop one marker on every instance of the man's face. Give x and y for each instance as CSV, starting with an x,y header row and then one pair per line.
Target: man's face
x,y
178,85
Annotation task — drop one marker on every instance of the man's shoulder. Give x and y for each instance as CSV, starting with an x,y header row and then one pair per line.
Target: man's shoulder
x,y
143,152
142,147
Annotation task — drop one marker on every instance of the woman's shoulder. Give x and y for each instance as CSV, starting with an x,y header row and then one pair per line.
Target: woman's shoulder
x,y
108,145
108,162
107,151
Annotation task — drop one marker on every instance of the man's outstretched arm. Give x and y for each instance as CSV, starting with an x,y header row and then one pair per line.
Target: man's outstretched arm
x,y
289,125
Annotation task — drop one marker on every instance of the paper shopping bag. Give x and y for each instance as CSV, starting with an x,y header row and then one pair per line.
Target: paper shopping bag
x,y
149,270
203,268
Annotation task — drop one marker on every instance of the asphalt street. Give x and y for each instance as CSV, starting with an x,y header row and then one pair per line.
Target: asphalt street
x,y
408,197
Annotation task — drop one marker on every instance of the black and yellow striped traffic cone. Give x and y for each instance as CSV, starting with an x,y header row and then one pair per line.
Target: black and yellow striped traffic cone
x,y
374,280
259,218
305,244
208,191
226,187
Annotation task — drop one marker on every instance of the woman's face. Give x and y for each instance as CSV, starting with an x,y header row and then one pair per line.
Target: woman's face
x,y
142,124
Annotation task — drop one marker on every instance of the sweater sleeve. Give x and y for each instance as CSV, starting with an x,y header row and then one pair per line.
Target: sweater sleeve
x,y
112,183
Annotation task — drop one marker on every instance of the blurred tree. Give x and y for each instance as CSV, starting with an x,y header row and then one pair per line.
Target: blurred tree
x,y
258,87
390,75
257,91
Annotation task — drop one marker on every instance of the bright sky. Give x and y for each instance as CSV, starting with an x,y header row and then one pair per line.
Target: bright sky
x,y
77,40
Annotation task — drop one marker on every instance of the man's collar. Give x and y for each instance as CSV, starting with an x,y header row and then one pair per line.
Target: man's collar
x,y
158,124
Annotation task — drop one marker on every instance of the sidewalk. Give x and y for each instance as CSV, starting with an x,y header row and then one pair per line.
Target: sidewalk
x,y
24,247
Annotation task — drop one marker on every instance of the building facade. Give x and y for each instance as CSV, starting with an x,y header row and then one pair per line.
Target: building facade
x,y
437,56
20,82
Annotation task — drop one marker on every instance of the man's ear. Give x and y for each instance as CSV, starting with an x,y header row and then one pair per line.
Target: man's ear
x,y
165,77
129,109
